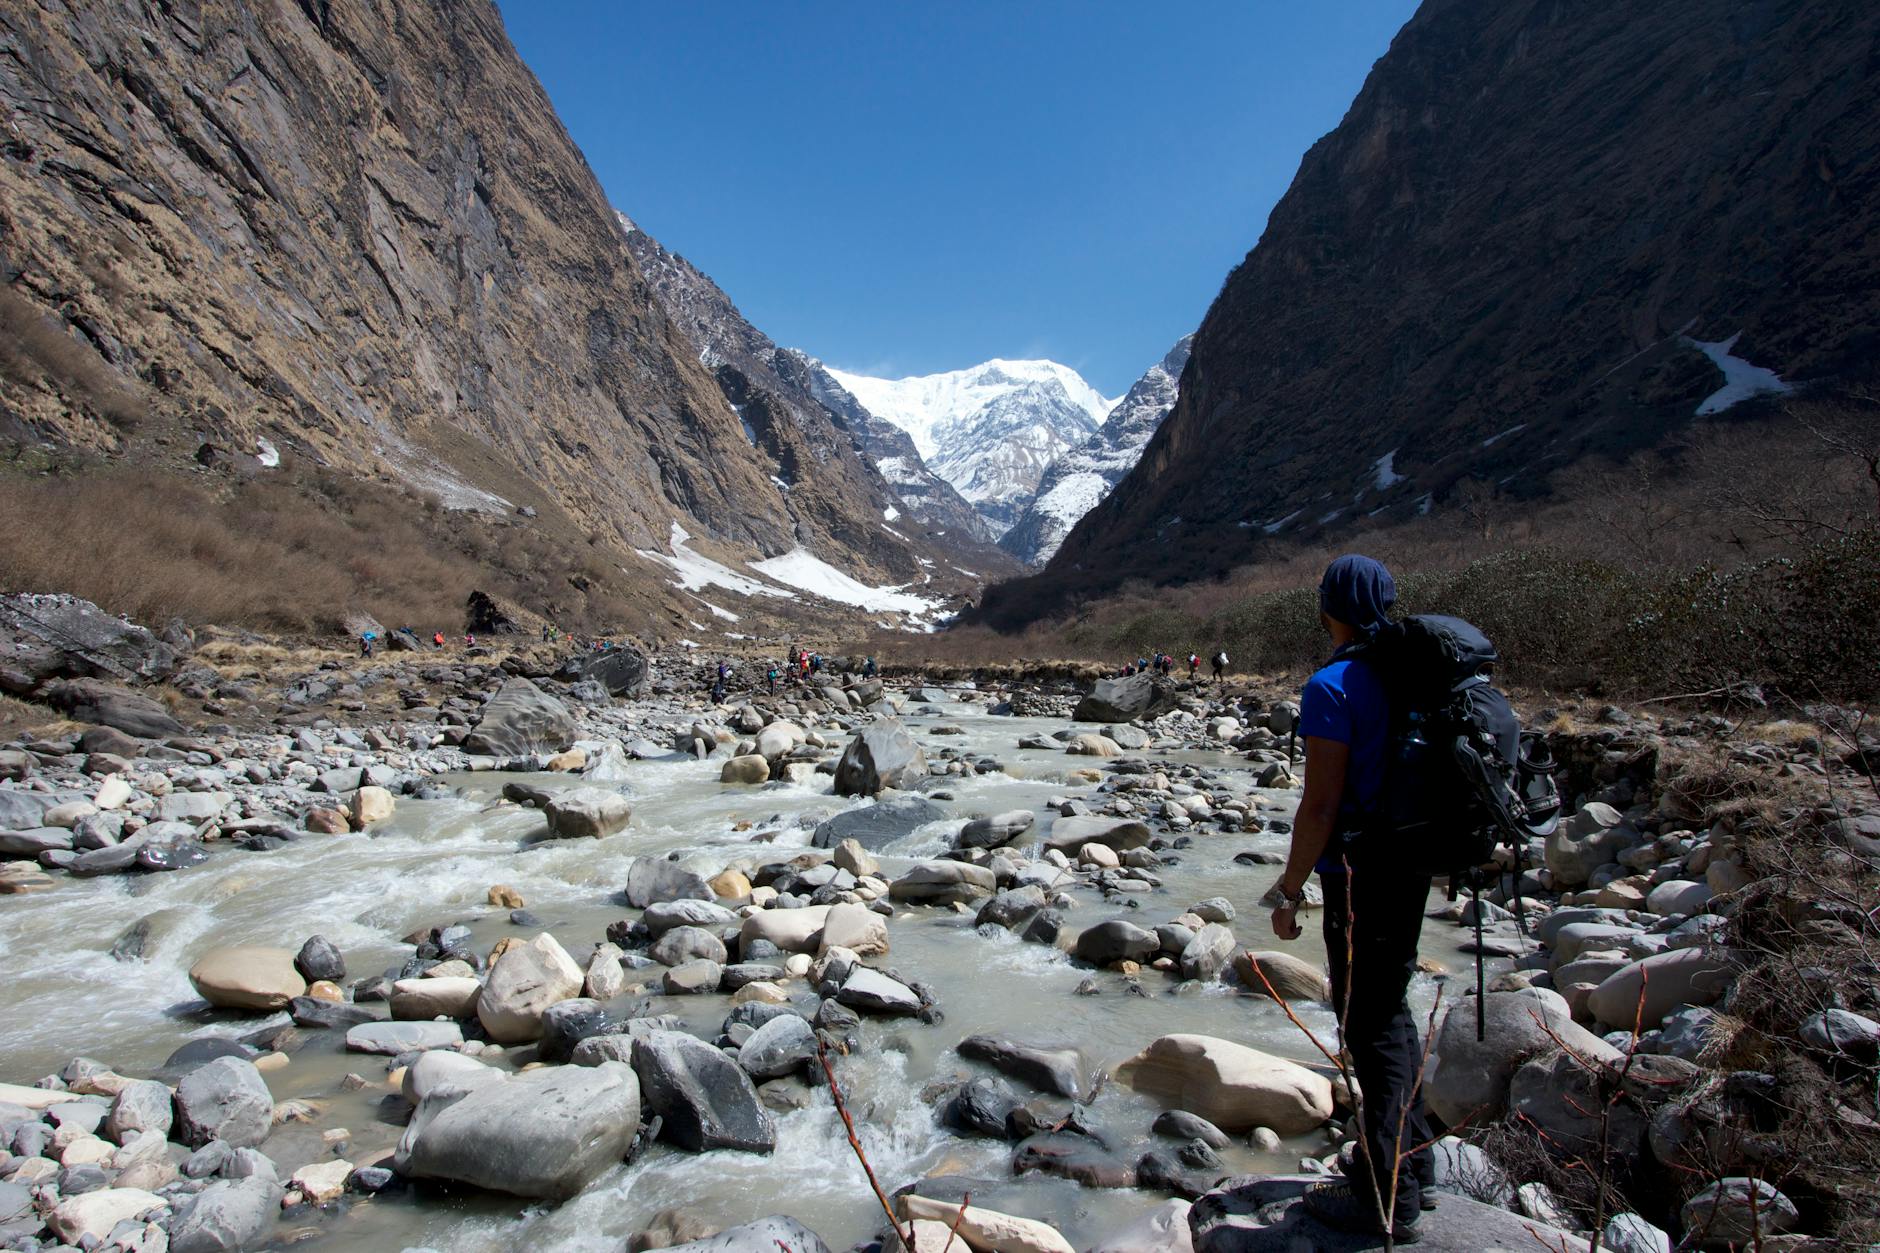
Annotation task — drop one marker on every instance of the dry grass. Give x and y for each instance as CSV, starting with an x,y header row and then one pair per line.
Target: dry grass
x,y
36,350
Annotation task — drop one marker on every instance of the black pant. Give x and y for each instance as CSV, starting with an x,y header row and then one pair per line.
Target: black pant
x,y
1383,912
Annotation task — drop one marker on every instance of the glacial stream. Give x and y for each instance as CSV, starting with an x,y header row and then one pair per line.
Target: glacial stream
x,y
433,863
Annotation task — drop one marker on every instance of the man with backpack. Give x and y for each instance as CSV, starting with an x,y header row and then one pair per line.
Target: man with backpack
x,y
1219,662
1375,895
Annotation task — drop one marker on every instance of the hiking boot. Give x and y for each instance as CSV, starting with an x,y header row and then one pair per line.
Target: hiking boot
x,y
1426,1191
1339,1205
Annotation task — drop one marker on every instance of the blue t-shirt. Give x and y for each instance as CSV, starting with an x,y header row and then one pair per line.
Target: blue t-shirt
x,y
1345,703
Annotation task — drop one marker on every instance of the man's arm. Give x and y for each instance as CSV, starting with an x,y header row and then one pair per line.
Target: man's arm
x,y
1326,761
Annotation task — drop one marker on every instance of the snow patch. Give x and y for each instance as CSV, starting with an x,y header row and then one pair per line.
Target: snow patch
x,y
725,614
890,514
807,572
1278,524
1498,436
696,570
267,454
1741,380
1386,467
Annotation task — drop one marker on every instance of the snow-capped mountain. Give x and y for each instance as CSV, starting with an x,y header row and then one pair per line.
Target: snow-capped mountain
x,y
991,430
1075,482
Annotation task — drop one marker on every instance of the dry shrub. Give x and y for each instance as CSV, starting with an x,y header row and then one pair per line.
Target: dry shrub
x,y
35,350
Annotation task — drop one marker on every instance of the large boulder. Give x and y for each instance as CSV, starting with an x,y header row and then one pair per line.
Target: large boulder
x,y
523,982
997,830
653,880
543,1133
111,705
1114,941
86,1219
587,811
1067,835
251,977
1650,988
792,930
1206,955
704,1100
1232,1086
225,1099
944,883
1468,1077
881,755
1593,836
1058,1069
856,928
227,1216
876,826
748,769
782,1046
1265,1214
1126,699
521,718
621,670
765,1235
1292,978
55,636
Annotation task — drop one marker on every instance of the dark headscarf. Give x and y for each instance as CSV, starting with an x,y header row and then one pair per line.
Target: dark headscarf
x,y
1357,591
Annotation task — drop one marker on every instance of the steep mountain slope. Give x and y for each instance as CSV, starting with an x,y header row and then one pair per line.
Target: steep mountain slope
x,y
357,237
839,461
1528,241
990,430
1075,482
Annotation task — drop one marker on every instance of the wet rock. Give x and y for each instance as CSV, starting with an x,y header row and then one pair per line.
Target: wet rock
x,y
1045,927
782,1046
566,1023
1296,980
1160,1171
765,1235
1179,1124
944,883
1070,834
980,1107
587,813
1077,1158
522,983
748,769
996,831
1206,955
1093,746
1114,941
1469,1078
1012,907
651,880
247,977
703,1098
394,1038
692,978
872,992
878,825
317,1013
1163,1229
1061,1070
518,720
542,1133
225,1099
1126,699
1738,1212
1234,1087
882,755
319,959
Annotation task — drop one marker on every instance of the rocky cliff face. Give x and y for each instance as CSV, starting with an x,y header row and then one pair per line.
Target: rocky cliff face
x,y
1077,481
357,236
1531,238
822,445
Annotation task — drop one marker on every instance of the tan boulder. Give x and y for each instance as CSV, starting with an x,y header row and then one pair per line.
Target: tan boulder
x,y
1292,978
984,1230
1653,986
247,977
422,998
523,982
750,768
371,804
505,897
1093,746
1232,1086
328,821
854,927
96,1213
792,930
730,885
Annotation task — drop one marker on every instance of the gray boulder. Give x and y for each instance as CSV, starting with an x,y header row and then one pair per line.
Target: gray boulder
x,y
662,916
542,1133
1058,1069
227,1216
52,636
881,755
1126,699
1207,954
780,1047
227,1100
683,944
996,831
703,1098
111,705
1469,1076
1114,941
876,826
1067,835
141,1105
622,671
872,992
1264,1214
766,1235
651,880
587,812
521,719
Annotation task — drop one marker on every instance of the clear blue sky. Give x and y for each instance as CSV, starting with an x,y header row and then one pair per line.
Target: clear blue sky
x,y
901,188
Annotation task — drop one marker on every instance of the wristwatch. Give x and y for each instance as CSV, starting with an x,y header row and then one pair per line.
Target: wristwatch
x,y
1291,898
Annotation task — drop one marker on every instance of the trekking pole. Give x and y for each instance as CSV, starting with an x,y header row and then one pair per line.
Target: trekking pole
x,y
1481,979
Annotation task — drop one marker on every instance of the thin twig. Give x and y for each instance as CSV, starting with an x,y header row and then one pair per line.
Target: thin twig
x,y
966,1198
848,1123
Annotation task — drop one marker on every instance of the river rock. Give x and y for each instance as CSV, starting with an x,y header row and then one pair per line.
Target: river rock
x,y
651,880
1061,1070
1179,1124
872,992
393,1038
704,1099
1650,988
140,1105
1292,978
765,1235
664,916
748,769
1234,1087
996,831
1593,836
90,1216
227,1216
856,928
1559,1096
1067,835
882,755
1206,955
779,1047
1724,1215
1678,896
778,740
247,977
521,719
421,999
683,944
112,705
227,1100
1264,1214
692,978
371,804
523,982
1011,907
1114,941
1468,1077
792,930
588,812
944,883
1093,746
542,1133
320,959
34,841
983,1229
1126,699
876,826
1163,1229
980,1107
852,857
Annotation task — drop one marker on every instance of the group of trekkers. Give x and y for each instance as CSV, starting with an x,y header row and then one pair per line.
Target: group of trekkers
x,y
801,666
369,640
1163,664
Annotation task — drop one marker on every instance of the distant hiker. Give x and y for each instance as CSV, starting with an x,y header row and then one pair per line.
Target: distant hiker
x,y
469,641
1194,666
1374,903
718,683
365,643
1142,665
770,678
803,663
1219,662
868,668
